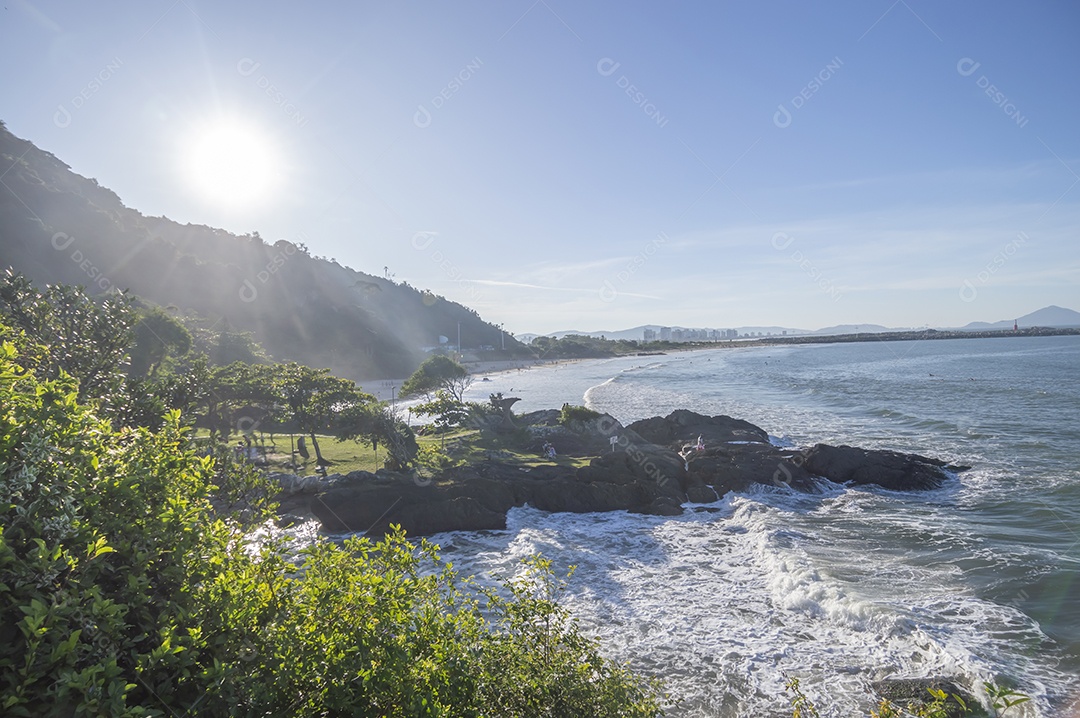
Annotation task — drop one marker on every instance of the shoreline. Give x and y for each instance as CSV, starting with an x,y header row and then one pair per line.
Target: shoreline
x,y
659,466
985,484
383,389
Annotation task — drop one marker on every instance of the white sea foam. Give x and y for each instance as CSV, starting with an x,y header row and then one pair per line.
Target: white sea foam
x,y
843,586
723,604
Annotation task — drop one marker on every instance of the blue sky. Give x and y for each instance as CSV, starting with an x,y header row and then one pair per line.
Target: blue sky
x,y
596,165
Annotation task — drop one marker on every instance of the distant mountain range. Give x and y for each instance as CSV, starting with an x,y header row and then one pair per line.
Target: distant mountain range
x,y
1052,316
59,227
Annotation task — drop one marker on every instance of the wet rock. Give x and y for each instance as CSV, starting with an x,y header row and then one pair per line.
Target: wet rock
x,y
701,494
662,506
462,513
682,427
737,467
887,469
641,471
903,692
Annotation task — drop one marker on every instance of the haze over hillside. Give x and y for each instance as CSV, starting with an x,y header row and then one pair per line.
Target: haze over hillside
x,y
59,227
1052,317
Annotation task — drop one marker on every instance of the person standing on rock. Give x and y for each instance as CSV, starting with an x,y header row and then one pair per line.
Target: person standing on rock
x,y
685,454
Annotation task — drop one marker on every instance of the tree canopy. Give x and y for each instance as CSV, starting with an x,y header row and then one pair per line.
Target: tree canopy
x,y
438,372
157,336
134,581
70,332
130,586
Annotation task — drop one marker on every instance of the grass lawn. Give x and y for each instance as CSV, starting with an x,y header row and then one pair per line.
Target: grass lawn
x,y
345,456
471,446
462,446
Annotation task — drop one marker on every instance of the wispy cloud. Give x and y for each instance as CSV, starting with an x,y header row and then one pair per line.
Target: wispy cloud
x,y
525,285
573,290
555,269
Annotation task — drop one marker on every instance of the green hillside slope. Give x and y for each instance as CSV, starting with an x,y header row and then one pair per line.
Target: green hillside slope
x,y
57,226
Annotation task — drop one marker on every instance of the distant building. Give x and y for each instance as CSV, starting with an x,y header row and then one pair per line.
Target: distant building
x,y
650,335
665,334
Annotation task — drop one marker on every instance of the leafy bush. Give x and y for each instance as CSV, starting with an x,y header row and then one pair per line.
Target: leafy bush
x,y
570,414
447,411
130,585
97,531
433,458
939,705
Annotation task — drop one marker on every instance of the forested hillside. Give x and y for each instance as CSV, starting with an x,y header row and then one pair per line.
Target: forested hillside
x,y
59,227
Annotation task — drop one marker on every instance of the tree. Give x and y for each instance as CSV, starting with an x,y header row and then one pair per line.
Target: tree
x,y
438,372
312,399
224,346
62,330
84,337
375,423
447,410
242,396
130,585
157,336
104,534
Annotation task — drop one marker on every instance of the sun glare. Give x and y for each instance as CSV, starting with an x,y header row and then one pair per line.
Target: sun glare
x,y
232,164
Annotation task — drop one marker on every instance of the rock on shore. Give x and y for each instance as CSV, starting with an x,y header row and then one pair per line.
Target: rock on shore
x,y
652,467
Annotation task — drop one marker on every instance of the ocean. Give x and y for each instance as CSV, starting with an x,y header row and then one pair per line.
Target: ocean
x,y
979,580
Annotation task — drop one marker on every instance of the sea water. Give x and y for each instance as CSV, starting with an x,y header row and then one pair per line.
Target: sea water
x,y
978,581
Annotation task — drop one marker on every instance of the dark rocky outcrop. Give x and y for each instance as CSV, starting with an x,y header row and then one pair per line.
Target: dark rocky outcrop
x,y
887,469
701,494
736,467
650,467
684,427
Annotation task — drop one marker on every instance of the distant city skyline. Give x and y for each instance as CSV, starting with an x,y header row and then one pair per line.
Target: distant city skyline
x,y
1051,316
604,164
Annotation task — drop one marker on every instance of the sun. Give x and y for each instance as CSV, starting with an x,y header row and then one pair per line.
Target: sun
x,y
232,164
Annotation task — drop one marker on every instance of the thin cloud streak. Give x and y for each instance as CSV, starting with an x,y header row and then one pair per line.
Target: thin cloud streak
x,y
574,290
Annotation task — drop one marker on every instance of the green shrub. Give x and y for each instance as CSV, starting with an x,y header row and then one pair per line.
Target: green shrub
x,y
101,531
939,705
570,414
131,585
